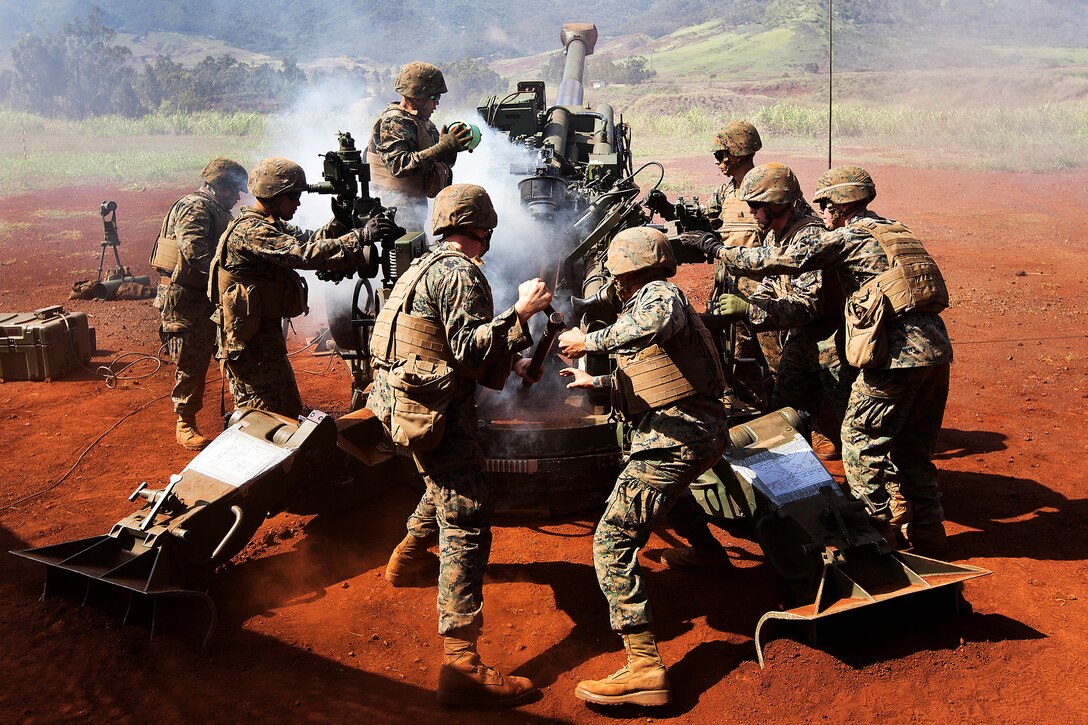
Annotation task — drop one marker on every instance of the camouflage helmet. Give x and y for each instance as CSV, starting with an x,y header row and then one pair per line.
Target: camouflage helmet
x,y
771,183
640,248
462,205
845,184
739,138
274,176
420,80
225,172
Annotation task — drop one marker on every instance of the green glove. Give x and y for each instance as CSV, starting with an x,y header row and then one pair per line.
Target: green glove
x,y
731,306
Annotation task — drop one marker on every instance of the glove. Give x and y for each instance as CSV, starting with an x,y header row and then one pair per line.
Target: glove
x,y
461,133
706,242
380,228
342,212
447,147
731,307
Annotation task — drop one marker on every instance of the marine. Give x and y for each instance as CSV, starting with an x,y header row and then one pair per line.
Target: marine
x,y
894,333
435,339
410,159
255,285
182,254
668,387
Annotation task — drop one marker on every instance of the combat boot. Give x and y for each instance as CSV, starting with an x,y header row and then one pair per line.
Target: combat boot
x,y
411,564
642,681
900,512
188,436
927,539
824,448
464,680
696,558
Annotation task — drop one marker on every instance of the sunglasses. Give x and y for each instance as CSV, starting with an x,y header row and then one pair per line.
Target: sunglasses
x,y
435,97
823,204
756,205
720,156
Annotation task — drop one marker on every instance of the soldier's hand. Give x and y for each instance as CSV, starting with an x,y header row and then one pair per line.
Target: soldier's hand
x,y
380,228
533,296
708,243
731,307
462,134
447,147
342,212
572,343
582,379
521,369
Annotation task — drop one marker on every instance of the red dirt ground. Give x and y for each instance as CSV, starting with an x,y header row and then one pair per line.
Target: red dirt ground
x,y
310,631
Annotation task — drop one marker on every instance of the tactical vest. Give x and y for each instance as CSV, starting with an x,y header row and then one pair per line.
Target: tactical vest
x,y
686,364
166,257
913,283
739,227
420,182
284,296
398,334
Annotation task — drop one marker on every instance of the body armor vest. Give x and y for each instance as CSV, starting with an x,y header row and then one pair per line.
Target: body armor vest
x,y
913,283
420,182
398,334
285,296
739,227
687,364
166,257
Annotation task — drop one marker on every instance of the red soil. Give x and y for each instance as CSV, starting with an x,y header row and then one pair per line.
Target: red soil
x,y
309,630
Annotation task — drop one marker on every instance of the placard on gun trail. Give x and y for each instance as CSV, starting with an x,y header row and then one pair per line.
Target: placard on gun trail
x,y
309,629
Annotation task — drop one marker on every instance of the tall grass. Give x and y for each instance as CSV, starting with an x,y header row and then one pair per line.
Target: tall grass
x,y
1052,136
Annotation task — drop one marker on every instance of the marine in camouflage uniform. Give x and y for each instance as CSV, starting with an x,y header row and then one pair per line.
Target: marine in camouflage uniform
x,y
895,409
455,297
672,443
260,250
410,159
187,240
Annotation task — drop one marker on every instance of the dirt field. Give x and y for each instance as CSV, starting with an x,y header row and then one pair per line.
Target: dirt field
x,y
310,631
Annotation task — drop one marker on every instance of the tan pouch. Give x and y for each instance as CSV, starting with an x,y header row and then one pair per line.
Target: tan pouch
x,y
422,390
866,338
241,310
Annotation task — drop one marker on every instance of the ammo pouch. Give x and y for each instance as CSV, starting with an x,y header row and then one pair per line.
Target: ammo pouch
x,y
866,338
422,390
164,252
240,307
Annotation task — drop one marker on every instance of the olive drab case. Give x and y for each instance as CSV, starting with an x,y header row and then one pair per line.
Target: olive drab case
x,y
44,344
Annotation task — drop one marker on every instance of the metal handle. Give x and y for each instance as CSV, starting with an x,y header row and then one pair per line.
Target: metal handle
x,y
237,511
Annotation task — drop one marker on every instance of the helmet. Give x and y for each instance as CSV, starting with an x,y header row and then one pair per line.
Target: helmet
x,y
739,138
770,184
225,172
274,176
640,248
844,184
419,80
462,205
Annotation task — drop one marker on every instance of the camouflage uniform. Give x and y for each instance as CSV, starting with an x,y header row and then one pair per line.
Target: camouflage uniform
x,y
808,308
196,221
396,141
259,247
670,447
895,410
454,293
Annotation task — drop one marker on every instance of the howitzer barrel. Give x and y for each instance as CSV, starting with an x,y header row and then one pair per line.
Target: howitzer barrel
x,y
579,39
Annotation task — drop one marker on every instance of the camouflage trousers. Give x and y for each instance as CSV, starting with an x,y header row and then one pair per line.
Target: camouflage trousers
x,y
189,334
457,506
647,487
889,433
261,375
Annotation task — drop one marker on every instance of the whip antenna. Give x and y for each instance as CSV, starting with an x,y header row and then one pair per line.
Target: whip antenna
x,y
830,72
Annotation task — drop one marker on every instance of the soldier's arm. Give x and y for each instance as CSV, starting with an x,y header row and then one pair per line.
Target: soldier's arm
x,y
193,225
769,310
398,146
476,338
301,249
826,251
655,317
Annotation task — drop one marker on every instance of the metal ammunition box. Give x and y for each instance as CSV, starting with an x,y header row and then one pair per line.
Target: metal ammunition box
x,y
43,344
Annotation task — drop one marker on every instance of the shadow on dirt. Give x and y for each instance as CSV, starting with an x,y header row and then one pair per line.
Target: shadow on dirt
x,y
959,443
1014,517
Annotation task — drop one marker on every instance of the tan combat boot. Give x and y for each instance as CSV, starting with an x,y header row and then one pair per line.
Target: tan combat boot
x,y
465,680
411,564
188,436
900,513
642,681
824,448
